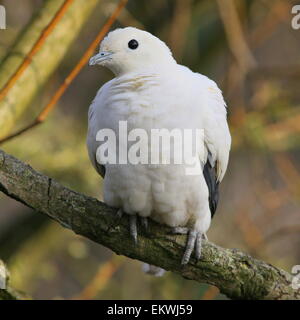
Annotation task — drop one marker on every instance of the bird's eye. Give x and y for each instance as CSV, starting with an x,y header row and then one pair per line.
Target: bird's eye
x,y
133,44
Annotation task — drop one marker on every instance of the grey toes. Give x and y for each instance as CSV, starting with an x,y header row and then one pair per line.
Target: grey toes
x,y
198,246
189,247
144,222
120,213
133,227
133,223
194,242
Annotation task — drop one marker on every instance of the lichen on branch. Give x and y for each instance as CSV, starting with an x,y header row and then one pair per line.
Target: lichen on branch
x,y
236,274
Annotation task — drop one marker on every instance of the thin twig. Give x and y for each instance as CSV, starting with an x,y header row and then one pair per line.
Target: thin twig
x,y
288,173
249,229
284,231
73,74
277,12
100,280
36,48
234,32
210,293
270,198
179,26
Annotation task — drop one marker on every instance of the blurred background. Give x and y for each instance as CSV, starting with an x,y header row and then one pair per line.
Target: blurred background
x,y
251,50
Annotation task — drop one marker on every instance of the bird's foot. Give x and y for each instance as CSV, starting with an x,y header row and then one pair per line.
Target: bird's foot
x,y
133,227
144,222
133,224
120,213
194,243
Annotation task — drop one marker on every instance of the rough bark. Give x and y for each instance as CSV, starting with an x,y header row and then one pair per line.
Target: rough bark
x,y
46,60
236,274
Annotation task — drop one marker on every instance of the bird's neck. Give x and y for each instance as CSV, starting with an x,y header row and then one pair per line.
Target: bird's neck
x,y
155,69
165,64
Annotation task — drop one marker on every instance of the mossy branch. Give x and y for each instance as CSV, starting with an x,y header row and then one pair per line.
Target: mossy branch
x,y
235,273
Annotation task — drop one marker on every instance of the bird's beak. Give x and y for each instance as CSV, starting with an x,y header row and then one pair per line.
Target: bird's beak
x,y
100,57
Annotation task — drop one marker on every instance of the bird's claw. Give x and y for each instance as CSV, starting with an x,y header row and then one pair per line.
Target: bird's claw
x,y
120,213
133,227
144,222
133,224
194,243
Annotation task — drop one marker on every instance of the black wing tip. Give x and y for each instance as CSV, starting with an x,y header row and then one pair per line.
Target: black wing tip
x,y
213,186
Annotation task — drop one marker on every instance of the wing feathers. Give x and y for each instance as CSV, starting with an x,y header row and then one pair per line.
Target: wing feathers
x,y
209,173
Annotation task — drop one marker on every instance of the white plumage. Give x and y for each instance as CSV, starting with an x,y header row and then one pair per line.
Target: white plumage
x,y
151,91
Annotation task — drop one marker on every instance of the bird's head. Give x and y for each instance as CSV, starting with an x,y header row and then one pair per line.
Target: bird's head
x,y
130,49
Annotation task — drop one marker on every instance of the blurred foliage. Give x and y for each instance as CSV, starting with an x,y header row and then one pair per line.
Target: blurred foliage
x,y
259,205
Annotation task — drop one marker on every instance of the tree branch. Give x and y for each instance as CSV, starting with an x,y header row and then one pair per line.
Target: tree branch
x,y
44,62
235,273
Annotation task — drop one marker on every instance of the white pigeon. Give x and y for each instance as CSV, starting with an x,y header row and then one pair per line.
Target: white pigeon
x,y
151,91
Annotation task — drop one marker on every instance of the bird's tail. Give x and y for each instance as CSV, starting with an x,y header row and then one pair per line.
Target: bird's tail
x,y
153,270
